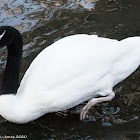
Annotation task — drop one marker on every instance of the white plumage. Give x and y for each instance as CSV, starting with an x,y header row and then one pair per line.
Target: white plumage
x,y
72,70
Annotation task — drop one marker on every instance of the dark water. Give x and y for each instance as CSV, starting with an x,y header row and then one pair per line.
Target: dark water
x,y
43,22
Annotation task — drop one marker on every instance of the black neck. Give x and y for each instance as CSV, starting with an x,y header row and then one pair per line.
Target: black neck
x,y
11,74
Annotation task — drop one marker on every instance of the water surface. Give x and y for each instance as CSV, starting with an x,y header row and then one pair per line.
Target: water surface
x,y
44,22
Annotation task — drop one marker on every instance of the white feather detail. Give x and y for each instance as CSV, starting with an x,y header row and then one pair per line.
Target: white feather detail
x,y
2,34
69,72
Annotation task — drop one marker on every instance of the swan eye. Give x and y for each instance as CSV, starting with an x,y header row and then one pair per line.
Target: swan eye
x,y
2,34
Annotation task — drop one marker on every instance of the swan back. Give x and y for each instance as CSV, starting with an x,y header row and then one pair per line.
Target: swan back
x,y
69,72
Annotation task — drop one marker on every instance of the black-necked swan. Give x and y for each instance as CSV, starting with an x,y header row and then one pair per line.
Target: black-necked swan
x,y
71,71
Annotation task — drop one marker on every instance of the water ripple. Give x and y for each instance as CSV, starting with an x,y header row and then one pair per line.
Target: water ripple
x,y
24,14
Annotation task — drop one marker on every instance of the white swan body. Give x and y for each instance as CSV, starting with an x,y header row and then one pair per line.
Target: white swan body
x,y
69,72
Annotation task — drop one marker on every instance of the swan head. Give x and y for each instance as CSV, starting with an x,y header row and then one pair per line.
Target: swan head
x,y
6,36
3,33
11,38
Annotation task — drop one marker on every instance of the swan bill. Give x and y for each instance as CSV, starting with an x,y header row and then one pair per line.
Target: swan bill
x,y
2,34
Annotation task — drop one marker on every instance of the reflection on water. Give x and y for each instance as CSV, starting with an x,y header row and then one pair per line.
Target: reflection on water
x,y
28,13
43,22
